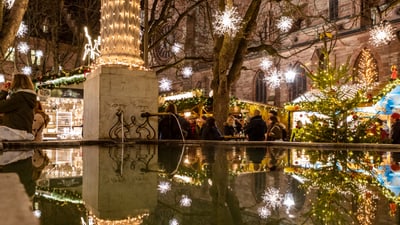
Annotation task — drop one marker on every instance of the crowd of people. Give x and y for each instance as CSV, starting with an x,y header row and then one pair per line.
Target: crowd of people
x,y
173,126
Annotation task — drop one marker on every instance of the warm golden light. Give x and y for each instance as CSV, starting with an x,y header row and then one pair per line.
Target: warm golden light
x,y
120,33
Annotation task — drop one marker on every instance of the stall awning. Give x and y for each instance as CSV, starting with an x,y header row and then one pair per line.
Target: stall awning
x,y
390,102
348,91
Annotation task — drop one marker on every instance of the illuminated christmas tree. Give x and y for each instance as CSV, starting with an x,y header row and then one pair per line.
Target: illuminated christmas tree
x,y
367,69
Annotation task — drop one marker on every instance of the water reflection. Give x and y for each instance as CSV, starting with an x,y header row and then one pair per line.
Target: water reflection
x,y
216,184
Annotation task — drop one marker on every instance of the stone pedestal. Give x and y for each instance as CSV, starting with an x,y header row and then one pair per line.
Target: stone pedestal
x,y
109,88
118,189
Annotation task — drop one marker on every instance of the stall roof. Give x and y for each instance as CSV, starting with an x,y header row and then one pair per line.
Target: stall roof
x,y
390,102
348,91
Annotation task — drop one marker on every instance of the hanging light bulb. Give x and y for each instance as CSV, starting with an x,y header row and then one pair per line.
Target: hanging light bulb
x,y
288,200
381,34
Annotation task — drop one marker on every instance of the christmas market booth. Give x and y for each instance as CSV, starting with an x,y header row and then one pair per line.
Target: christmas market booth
x,y
61,95
194,104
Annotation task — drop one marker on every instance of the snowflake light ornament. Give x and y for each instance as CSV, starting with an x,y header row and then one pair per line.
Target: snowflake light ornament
x,y
22,30
284,23
39,53
176,48
264,212
165,84
173,222
381,34
23,47
266,63
272,198
27,70
227,22
185,201
9,3
164,187
187,72
274,78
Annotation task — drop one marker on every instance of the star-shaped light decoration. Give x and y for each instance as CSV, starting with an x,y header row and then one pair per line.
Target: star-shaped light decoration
x,y
185,201
164,187
39,54
274,78
284,23
290,75
22,30
381,34
227,22
23,47
27,70
9,3
264,212
187,71
266,63
90,49
173,221
176,48
272,198
165,84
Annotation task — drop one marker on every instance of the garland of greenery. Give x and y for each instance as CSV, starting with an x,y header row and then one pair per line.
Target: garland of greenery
x,y
51,80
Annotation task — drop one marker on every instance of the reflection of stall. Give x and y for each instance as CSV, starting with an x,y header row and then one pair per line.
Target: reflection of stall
x,y
65,109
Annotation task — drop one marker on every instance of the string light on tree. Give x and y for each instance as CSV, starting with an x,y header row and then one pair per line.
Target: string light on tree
x,y
367,68
91,50
187,72
381,34
284,23
273,79
165,84
23,47
266,63
22,30
227,22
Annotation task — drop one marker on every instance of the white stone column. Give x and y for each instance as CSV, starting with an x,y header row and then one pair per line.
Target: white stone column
x,y
119,78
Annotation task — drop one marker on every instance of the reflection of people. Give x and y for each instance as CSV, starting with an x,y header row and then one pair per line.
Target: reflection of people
x,y
40,121
19,162
395,134
173,126
17,101
256,128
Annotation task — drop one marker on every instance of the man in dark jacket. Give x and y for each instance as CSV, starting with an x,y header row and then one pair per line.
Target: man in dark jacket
x,y
256,128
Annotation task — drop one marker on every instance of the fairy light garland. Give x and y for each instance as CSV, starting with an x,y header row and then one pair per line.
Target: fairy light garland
x,y
120,33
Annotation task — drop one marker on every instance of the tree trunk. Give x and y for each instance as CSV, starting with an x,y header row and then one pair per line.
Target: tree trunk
x,y
221,107
10,28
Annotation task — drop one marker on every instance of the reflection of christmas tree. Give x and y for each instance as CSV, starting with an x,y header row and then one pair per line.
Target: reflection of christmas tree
x,y
367,69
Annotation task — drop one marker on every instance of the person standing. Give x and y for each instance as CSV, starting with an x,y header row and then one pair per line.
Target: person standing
x,y
173,126
40,121
17,101
274,132
229,127
256,128
211,131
